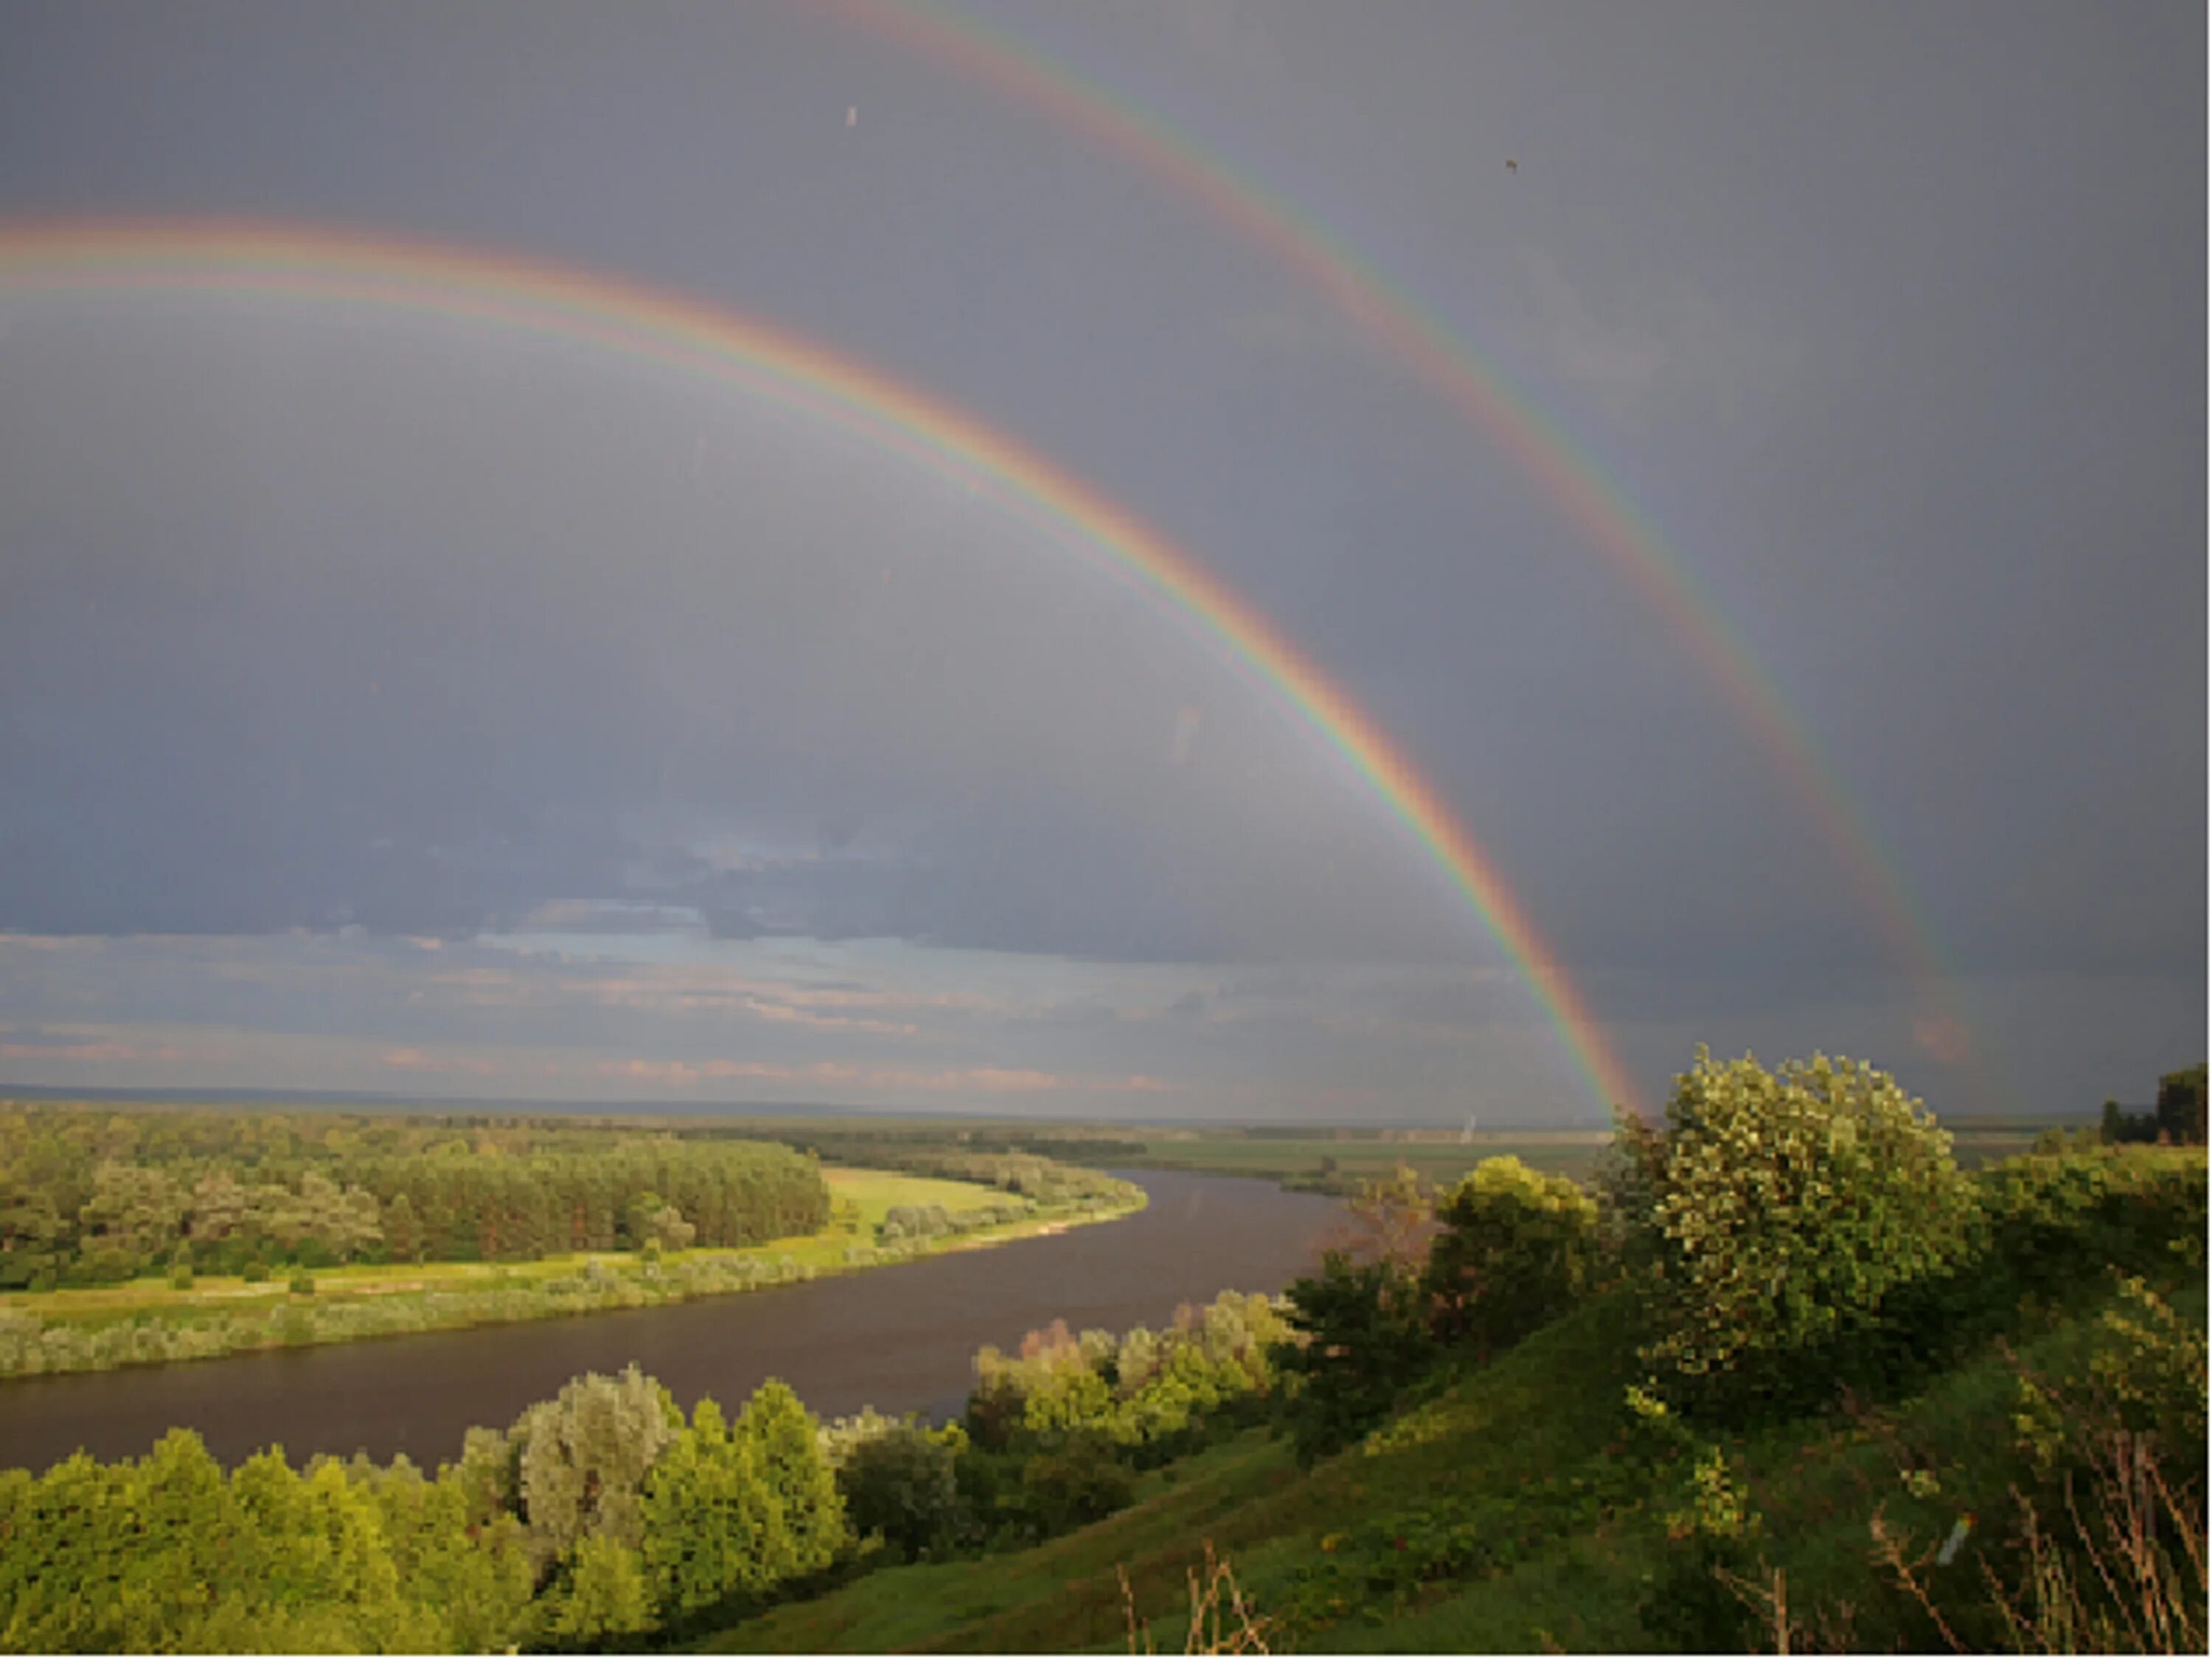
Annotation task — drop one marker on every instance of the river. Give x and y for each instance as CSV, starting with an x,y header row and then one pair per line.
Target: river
x,y
900,1339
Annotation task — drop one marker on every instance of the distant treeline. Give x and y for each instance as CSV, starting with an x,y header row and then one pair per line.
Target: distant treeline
x,y
2178,1119
1011,1163
96,1196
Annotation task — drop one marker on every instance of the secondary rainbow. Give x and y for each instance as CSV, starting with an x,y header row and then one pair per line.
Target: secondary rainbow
x,y
1480,393
637,322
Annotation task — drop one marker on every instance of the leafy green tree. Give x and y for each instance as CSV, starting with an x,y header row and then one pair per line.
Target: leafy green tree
x,y
1789,1205
902,1484
1362,1335
1078,1479
467,1571
403,1229
1516,1250
602,1597
584,1456
34,1238
133,1211
709,1519
786,1448
218,1208
653,1220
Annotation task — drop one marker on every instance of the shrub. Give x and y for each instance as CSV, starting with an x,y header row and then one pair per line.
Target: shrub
x,y
1080,1480
1362,1337
2050,1219
1787,1206
256,1271
1516,1250
303,1283
902,1483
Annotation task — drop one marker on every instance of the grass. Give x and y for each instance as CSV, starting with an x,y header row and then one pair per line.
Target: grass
x,y
1518,1510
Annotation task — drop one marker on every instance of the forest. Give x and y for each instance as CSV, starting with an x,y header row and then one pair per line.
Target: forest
x,y
95,1198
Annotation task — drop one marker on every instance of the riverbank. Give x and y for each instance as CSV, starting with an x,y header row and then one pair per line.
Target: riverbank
x,y
150,1321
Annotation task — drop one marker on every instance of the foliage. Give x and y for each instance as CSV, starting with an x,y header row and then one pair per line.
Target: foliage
x,y
599,1517
99,1196
2180,1107
1788,1206
582,1458
1517,1249
1146,1391
601,1595
899,1481
1077,1479
1362,1335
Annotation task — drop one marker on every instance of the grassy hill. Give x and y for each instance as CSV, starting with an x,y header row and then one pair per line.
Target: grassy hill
x,y
1521,1505
1511,1513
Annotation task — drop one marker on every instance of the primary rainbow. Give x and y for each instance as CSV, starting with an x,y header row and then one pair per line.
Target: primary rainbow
x,y
1482,393
633,321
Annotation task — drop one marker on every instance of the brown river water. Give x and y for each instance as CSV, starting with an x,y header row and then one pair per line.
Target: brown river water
x,y
900,1339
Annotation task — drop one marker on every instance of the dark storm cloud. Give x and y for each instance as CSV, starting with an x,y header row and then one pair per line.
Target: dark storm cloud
x,y
1887,316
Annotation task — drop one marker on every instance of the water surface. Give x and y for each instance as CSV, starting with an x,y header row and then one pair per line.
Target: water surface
x,y
900,1339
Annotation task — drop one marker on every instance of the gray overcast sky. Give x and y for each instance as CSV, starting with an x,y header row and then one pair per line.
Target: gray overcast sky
x,y
392,702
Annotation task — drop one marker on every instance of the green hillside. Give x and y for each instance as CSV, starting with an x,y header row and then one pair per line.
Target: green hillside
x,y
2001,1450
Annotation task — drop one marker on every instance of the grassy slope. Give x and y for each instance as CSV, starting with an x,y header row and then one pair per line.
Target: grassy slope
x,y
1558,1523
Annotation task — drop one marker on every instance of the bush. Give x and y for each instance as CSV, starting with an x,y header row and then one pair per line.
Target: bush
x,y
2050,1219
303,1283
256,1271
1363,1338
1078,1481
901,1483
1517,1249
1786,1206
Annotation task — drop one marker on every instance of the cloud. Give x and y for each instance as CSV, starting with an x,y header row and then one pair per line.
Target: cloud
x,y
1943,1039
979,1079
415,1060
1615,364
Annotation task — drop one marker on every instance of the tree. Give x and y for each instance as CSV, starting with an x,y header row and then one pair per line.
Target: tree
x,y
786,1453
218,1208
653,1220
403,1232
902,1483
584,1456
1390,1219
708,1518
1789,1205
132,1211
32,1236
1516,1250
603,1596
1362,1335
2181,1106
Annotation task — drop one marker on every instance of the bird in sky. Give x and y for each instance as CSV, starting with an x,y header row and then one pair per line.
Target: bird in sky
x,y
1512,166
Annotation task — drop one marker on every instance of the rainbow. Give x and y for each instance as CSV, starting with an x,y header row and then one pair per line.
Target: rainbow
x,y
1482,394
642,324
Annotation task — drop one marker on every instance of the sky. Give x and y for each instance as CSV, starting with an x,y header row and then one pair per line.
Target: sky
x,y
1807,635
